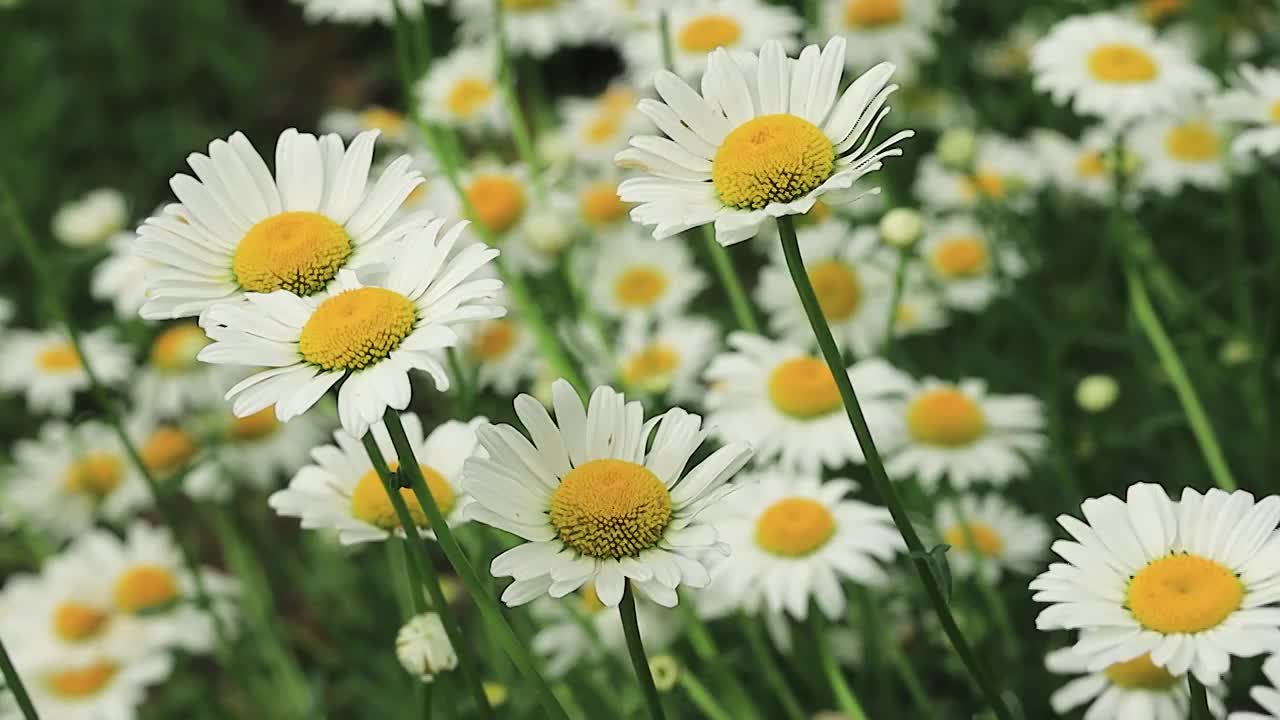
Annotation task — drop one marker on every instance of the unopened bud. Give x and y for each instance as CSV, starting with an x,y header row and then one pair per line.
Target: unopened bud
x,y
1096,393
901,227
956,147
423,647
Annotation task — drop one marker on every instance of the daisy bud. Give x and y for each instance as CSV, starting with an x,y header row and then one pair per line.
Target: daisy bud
x,y
547,231
1096,393
956,146
901,227
423,647
1235,352
665,671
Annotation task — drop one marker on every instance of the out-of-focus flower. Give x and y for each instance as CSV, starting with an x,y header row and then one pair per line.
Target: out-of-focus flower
x,y
44,366
701,26
1096,393
899,31
91,219
1254,102
1182,150
361,11
901,227
423,647
989,535
461,90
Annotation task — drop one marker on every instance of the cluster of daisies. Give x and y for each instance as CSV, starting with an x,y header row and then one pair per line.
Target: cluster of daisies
x,y
393,273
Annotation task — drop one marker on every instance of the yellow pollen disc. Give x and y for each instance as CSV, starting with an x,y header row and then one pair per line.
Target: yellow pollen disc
x,y
380,118
651,368
960,256
258,426
498,201
168,450
1193,142
838,288
95,474
175,349
1122,64
639,286
81,682
771,158
872,13
522,5
610,509
60,357
468,96
1275,112
145,587
494,340
1157,10
986,541
987,184
1140,674
356,329
618,99
74,622
1090,164
945,416
295,251
795,527
1183,594
601,205
370,503
603,128
706,33
589,599
804,388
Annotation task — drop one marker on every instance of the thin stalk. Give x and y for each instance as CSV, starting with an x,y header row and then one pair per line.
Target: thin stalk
x,y
899,280
910,679
845,696
996,607
701,698
704,646
879,477
635,648
484,601
525,147
1199,699
729,279
664,37
13,682
464,390
772,673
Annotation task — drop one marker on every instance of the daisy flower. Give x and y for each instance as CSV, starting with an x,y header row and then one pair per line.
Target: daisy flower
x,y
533,27
900,31
391,125
109,686
505,353
988,535
1189,582
1115,68
361,11
258,449
461,90
767,137
852,275
502,203
597,128
1004,171
1268,696
920,307
1129,690
1078,167
1179,150
172,380
961,259
341,490
44,367
236,230
1254,102
369,336
600,210
601,497
784,402
566,642
701,26
120,278
668,357
91,219
630,279
167,448
796,539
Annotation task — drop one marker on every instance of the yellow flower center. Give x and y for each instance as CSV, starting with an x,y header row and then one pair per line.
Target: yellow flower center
x,y
145,587
618,99
1122,64
494,340
1275,112
987,184
525,5
1193,142
96,474
706,33
468,96
175,348
296,251
601,205
804,388
838,288
380,118
498,201
60,357
74,622
1157,10
651,368
81,682
603,128
258,426
639,286
795,527
986,541
771,158
872,13
610,509
356,329
1090,164
960,256
1183,594
945,416
1140,674
168,450
370,503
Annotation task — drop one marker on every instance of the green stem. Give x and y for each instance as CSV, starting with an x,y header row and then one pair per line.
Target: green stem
x,y
879,477
485,602
635,648
13,682
700,697
772,672
664,37
704,646
910,679
464,390
845,697
507,81
729,279
1199,699
899,280
531,313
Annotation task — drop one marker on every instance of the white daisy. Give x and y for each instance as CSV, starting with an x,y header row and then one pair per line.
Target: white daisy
x,y
1254,101
172,380
341,490
767,137
1268,696
361,11
1115,68
1186,149
900,31
796,540
367,335
589,633
596,501
784,402
106,687
238,230
1189,582
596,128
391,125
1004,171
920,307
120,278
504,352
961,259
503,203
461,90
1130,690
258,449
988,535
533,27
668,357
632,278
1078,167
600,210
169,448
92,219
852,274
44,367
